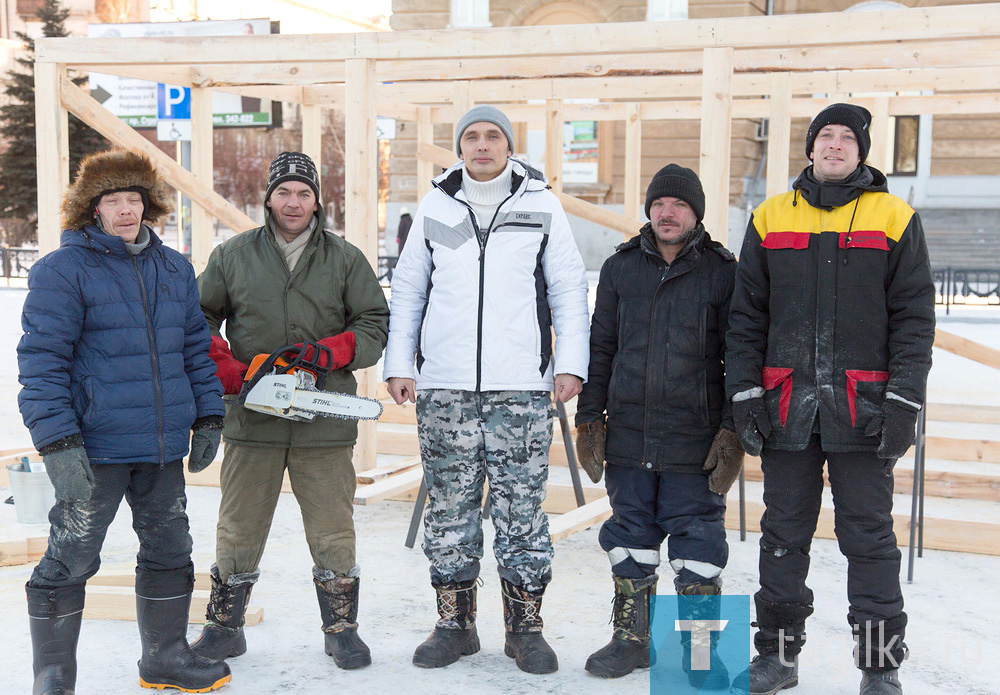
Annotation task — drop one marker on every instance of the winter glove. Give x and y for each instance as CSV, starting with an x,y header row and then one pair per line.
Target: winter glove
x,y
752,424
724,460
206,434
895,428
341,345
229,369
590,438
68,467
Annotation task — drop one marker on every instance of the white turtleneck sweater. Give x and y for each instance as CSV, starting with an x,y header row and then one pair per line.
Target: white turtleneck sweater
x,y
485,196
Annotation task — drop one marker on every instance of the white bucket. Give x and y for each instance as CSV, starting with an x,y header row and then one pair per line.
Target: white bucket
x,y
34,495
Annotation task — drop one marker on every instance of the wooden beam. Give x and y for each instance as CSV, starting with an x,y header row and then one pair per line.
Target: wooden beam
x,y
118,603
23,550
425,136
633,163
461,102
382,472
202,580
554,144
361,209
963,347
84,107
52,153
202,167
388,487
716,139
565,525
312,133
881,155
779,133
952,412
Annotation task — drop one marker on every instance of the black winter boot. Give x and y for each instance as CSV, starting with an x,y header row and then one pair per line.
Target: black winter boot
x,y
222,637
55,616
455,633
699,602
524,642
779,639
629,645
162,605
338,605
881,683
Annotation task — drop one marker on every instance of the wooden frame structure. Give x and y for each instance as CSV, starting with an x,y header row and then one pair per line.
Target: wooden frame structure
x,y
714,70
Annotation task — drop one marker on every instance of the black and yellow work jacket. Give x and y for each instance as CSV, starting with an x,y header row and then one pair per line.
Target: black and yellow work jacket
x,y
833,308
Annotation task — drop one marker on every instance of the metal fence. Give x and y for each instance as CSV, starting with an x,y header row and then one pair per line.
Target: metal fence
x,y
959,285
17,261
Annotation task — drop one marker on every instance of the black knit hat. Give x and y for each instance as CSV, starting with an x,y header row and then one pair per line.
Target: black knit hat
x,y
677,182
857,118
292,166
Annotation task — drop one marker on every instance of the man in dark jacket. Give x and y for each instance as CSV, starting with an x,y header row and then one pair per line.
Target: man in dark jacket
x,y
281,284
830,341
116,375
657,343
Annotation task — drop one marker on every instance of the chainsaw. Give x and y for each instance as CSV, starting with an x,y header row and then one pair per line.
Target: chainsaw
x,y
291,387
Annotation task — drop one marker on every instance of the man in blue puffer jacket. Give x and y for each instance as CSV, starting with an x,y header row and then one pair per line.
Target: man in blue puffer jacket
x,y
117,381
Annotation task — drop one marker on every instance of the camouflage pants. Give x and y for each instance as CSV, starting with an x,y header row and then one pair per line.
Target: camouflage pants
x,y
467,437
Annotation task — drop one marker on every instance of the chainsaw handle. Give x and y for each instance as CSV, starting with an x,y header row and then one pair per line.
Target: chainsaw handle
x,y
264,363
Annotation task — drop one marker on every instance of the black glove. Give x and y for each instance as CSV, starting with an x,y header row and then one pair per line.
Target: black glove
x,y
590,438
68,467
895,428
724,460
752,424
206,434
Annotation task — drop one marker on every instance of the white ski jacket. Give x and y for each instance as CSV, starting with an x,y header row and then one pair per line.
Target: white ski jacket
x,y
472,309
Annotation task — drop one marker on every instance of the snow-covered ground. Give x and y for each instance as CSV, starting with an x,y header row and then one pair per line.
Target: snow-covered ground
x,y
952,603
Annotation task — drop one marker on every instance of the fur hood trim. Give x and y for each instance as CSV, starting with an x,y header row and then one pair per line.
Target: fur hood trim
x,y
114,170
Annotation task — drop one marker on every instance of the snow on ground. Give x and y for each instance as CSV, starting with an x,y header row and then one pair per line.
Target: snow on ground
x,y
952,602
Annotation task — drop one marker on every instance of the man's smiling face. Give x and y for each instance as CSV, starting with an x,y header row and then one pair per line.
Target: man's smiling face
x,y
835,153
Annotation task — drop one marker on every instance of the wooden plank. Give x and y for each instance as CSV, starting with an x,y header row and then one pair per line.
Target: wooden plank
x,y
779,134
880,155
559,498
389,487
406,444
202,167
633,163
84,107
23,550
554,144
52,162
948,412
969,349
381,472
461,102
312,133
716,139
425,136
118,603
952,449
565,525
202,580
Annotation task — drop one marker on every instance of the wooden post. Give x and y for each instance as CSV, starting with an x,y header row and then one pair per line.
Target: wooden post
x,y
880,155
202,165
52,150
361,208
312,133
554,144
461,101
425,136
779,132
633,161
716,138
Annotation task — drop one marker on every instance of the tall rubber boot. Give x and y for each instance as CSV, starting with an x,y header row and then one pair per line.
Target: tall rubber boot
x,y
338,604
779,640
222,637
162,605
629,645
524,642
455,633
699,602
879,651
55,615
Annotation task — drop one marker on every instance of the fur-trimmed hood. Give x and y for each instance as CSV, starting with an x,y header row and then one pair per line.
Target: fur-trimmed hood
x,y
114,170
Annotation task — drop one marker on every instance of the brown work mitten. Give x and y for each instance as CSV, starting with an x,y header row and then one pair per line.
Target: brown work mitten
x,y
724,460
590,448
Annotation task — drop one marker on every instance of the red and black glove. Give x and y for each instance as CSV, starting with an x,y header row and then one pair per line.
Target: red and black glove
x,y
229,369
342,347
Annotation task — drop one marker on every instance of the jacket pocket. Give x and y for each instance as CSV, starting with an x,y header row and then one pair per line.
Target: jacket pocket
x,y
865,393
864,239
787,240
777,382
89,407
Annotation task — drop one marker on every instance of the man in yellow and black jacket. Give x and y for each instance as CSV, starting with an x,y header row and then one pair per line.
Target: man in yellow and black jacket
x,y
831,328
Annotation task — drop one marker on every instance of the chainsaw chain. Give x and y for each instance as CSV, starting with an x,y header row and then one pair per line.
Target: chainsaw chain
x,y
320,413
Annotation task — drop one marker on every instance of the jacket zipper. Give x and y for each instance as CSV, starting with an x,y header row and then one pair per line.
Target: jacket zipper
x,y
154,361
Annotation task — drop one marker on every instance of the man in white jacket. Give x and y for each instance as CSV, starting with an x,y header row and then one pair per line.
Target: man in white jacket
x,y
489,267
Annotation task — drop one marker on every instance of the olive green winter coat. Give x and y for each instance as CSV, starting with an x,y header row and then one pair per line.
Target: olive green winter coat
x,y
247,286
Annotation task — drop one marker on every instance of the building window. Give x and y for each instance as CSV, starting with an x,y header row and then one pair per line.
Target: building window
x,y
657,10
905,139
470,13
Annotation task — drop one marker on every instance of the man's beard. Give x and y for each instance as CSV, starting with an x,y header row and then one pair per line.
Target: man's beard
x,y
683,239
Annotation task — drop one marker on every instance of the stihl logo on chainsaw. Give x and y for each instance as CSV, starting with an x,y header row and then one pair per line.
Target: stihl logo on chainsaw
x,y
287,384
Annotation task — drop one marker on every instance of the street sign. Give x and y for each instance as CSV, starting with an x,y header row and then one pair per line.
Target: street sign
x,y
385,128
173,130
173,102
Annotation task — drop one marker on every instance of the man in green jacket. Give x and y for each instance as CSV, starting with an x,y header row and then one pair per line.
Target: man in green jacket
x,y
288,282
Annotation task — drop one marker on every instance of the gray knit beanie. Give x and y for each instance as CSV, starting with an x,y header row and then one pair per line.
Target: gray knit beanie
x,y
292,166
484,114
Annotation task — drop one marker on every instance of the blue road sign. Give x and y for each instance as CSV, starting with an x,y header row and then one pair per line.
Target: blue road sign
x,y
173,102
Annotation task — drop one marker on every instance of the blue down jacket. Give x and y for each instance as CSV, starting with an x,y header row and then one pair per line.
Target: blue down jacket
x,y
115,348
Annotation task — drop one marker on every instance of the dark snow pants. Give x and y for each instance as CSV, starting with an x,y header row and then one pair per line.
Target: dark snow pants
x,y
156,495
648,506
